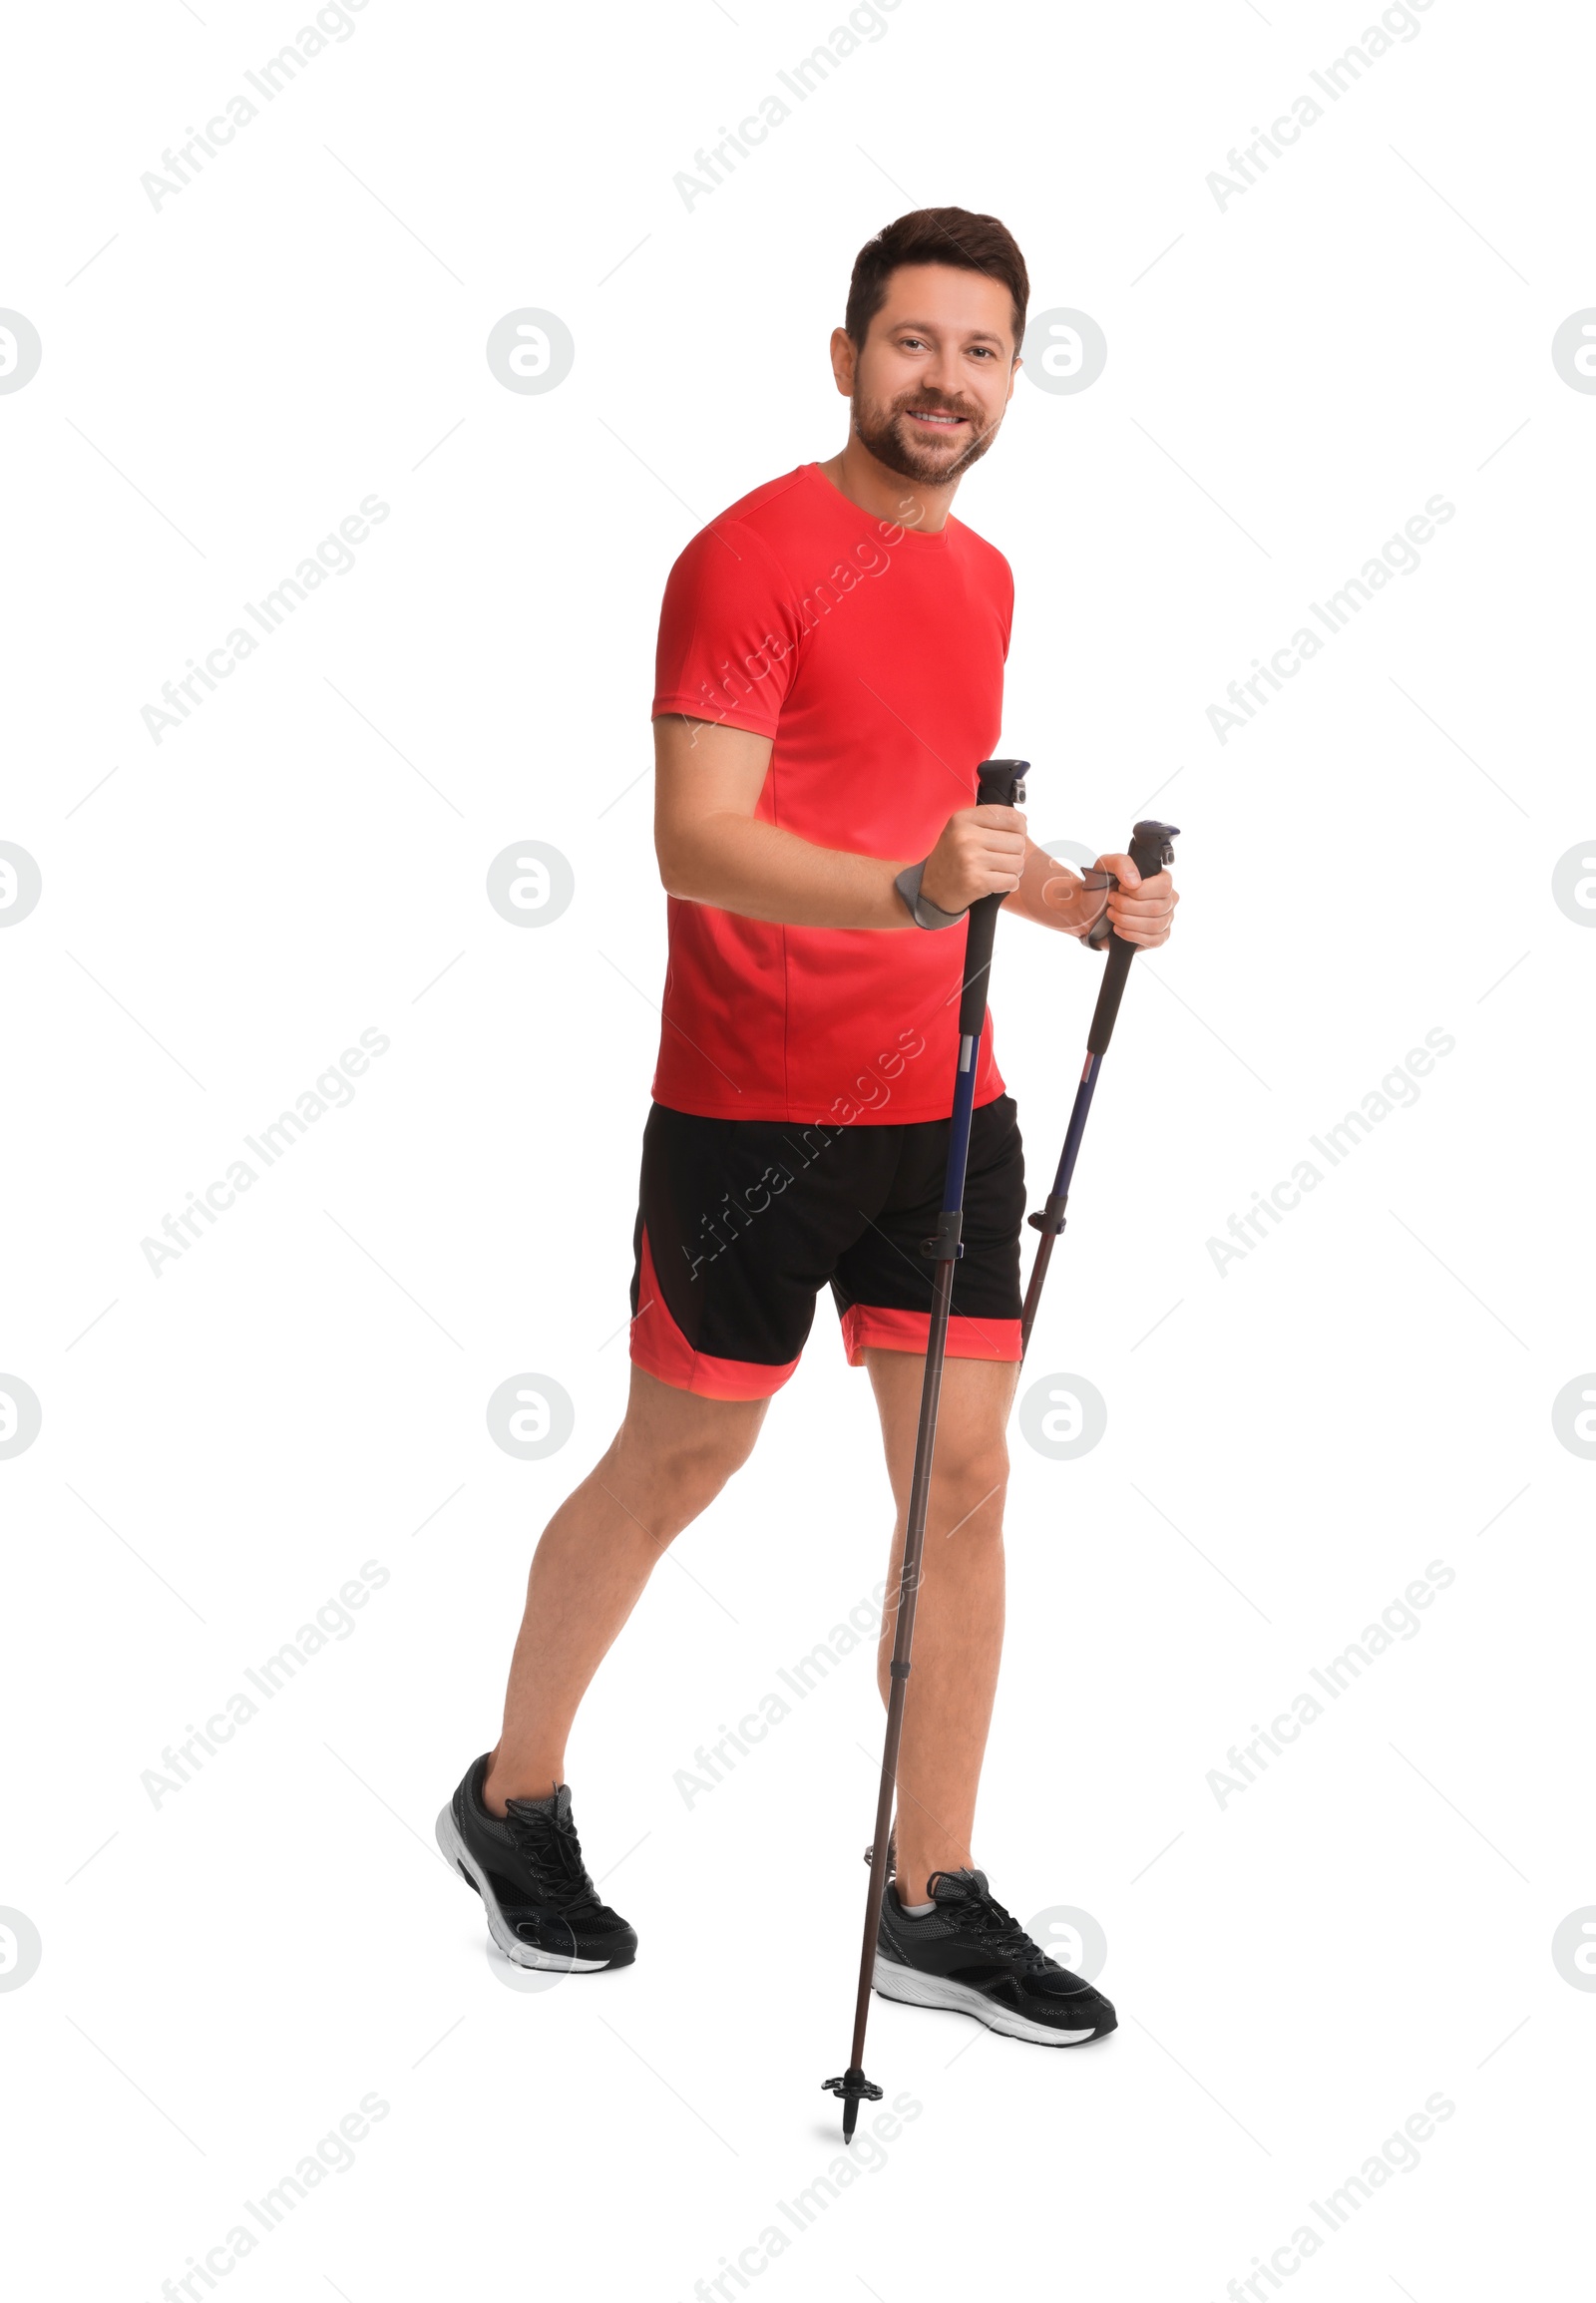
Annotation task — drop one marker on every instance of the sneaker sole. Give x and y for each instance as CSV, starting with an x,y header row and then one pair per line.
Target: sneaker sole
x,y
459,1858
913,1989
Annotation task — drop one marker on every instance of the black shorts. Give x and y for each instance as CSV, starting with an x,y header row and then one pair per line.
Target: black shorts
x,y
742,1222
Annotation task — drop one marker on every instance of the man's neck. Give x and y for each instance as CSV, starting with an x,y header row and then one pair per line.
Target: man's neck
x,y
867,482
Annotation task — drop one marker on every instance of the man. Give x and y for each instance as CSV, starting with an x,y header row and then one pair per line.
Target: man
x,y
829,675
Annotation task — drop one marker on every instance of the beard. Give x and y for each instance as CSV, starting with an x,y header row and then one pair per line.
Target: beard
x,y
884,429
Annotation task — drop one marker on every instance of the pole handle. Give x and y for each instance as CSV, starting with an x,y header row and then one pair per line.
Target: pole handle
x,y
998,784
1151,848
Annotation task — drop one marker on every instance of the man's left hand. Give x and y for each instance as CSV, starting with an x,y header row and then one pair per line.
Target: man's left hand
x,y
1140,911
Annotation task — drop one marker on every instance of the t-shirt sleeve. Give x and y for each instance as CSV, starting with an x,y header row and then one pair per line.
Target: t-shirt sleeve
x,y
728,632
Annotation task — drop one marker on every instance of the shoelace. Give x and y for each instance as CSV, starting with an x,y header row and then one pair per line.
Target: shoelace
x,y
549,1845
986,1919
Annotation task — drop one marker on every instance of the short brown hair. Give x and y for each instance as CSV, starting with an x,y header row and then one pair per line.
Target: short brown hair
x,y
936,235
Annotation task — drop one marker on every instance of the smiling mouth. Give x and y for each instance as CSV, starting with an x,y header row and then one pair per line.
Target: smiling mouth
x,y
936,416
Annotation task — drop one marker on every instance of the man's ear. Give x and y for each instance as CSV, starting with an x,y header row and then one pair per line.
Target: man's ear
x,y
843,361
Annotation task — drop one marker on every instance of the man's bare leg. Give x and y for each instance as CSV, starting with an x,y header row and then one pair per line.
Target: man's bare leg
x,y
670,1458
959,1617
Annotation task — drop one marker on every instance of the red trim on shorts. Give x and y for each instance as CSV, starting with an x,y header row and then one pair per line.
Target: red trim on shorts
x,y
865,1325
661,1349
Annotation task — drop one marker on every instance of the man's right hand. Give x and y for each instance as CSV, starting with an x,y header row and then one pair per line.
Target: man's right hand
x,y
982,852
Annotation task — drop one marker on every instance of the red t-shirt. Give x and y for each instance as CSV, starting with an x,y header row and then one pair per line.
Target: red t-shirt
x,y
873,655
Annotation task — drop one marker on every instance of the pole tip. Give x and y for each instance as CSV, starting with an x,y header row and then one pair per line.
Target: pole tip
x,y
854,2089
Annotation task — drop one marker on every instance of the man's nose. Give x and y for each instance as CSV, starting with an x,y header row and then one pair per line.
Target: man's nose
x,y
943,375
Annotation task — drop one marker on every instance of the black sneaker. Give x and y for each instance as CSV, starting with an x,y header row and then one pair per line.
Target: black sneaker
x,y
970,1955
543,1909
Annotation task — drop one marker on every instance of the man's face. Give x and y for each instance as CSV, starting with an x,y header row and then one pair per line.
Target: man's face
x,y
937,367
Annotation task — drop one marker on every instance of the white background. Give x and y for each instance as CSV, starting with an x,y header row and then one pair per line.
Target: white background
x,y
226,1975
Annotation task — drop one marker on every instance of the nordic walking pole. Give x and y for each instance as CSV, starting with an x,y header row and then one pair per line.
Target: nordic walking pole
x,y
1000,784
1151,848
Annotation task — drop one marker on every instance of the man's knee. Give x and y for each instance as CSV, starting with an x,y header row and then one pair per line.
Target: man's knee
x,y
694,1470
683,1450
968,1483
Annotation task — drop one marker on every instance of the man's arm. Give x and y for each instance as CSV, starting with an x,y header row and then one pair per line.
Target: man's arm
x,y
712,850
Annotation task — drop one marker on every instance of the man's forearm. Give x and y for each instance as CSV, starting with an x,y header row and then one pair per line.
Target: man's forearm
x,y
739,864
1026,899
